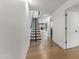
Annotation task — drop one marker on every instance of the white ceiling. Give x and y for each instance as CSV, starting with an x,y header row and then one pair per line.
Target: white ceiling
x,y
46,6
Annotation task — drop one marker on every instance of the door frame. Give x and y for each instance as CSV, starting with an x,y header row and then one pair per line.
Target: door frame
x,y
66,30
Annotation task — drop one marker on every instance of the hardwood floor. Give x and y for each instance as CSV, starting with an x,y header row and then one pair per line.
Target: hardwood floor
x,y
47,49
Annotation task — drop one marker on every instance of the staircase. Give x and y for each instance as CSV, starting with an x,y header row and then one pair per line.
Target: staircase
x,y
35,31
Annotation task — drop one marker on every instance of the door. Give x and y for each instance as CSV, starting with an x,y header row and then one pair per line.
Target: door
x,y
72,29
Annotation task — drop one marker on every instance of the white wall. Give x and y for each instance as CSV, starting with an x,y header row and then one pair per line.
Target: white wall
x,y
59,22
35,14
49,26
14,29
72,26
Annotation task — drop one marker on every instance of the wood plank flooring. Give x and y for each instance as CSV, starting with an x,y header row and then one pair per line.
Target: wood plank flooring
x,y
47,49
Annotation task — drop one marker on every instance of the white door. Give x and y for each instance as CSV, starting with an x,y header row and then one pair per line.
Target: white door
x,y
72,29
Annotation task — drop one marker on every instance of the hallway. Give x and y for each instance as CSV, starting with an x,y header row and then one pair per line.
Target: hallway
x,y
44,50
